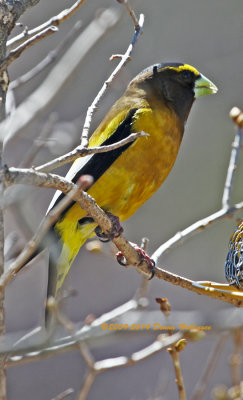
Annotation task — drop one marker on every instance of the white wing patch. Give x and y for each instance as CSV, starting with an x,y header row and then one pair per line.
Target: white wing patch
x,y
77,166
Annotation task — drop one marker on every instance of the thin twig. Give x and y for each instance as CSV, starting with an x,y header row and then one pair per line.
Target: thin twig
x,y
209,368
178,372
124,58
54,21
161,343
24,46
142,291
84,151
236,145
191,230
3,390
235,360
49,59
64,394
88,382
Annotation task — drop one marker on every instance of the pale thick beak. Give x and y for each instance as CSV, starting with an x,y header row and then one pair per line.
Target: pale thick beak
x,y
204,86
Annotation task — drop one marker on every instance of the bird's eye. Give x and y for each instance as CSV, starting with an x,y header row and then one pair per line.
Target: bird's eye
x,y
187,75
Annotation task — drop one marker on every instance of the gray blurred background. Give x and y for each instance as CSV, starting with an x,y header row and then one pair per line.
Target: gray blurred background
x,y
207,35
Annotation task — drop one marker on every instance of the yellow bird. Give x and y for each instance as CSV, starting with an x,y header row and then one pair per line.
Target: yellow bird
x,y
158,102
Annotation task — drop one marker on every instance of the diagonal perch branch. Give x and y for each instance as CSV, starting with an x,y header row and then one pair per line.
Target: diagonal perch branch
x,y
31,177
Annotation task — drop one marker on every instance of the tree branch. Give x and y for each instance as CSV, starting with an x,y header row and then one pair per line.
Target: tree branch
x,y
24,46
39,100
54,21
80,151
124,59
31,177
49,59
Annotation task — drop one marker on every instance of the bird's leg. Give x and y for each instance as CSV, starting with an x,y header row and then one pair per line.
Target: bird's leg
x,y
115,232
143,256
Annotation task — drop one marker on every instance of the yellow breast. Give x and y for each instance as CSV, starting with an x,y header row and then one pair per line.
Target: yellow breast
x,y
142,168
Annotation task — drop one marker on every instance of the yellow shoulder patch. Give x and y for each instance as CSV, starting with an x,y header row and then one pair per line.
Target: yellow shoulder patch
x,y
107,128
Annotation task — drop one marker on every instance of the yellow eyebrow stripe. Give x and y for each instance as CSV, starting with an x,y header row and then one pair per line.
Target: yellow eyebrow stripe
x,y
184,67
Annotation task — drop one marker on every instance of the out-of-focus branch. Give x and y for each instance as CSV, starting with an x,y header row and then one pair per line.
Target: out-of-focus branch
x,y
88,382
64,394
9,13
161,343
40,142
54,21
84,151
24,46
209,368
3,394
124,59
48,221
235,359
39,100
28,350
49,59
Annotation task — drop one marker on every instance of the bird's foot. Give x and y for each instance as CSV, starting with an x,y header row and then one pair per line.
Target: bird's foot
x,y
114,233
143,256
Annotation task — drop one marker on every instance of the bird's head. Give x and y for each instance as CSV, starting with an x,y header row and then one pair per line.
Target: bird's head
x,y
177,84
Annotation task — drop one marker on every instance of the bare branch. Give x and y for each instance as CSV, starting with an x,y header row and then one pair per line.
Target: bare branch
x,y
24,46
28,351
88,382
14,175
54,21
161,343
178,372
191,230
49,59
84,151
39,100
179,237
237,116
124,58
